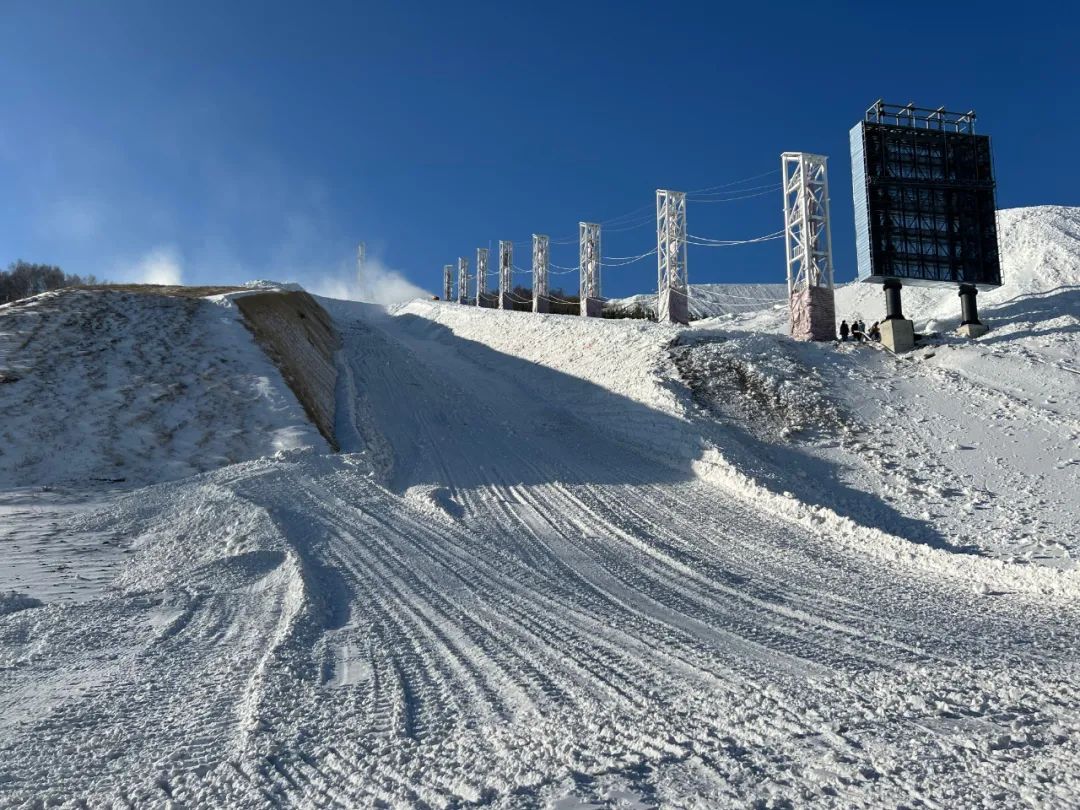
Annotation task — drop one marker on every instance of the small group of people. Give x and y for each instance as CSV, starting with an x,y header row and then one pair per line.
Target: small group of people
x,y
857,330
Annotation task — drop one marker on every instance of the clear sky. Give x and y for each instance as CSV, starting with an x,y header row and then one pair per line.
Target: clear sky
x,y
229,141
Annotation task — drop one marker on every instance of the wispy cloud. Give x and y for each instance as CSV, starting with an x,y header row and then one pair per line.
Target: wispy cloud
x,y
160,266
375,284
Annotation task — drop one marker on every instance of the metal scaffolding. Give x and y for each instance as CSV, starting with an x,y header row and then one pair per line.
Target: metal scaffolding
x,y
673,287
807,232
506,274
481,275
541,301
589,266
448,282
463,280
808,240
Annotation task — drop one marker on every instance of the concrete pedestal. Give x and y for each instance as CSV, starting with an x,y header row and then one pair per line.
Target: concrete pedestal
x,y
972,330
813,314
672,306
898,334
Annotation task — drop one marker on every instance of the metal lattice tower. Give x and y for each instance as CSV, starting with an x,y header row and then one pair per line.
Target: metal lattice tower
x,y
673,287
541,302
481,275
807,232
589,266
506,274
463,280
448,282
808,241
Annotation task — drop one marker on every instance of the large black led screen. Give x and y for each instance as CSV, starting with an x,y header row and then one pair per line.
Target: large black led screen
x,y
924,205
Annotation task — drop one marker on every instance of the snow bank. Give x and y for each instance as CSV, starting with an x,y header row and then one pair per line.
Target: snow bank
x,y
118,387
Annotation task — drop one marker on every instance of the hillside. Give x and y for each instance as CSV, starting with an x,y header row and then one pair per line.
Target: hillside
x,y
108,390
117,386
962,444
571,562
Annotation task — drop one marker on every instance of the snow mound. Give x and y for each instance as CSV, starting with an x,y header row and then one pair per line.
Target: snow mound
x,y
112,387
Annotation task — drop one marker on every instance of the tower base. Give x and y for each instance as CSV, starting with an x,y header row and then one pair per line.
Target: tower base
x,y
972,330
673,306
898,334
813,314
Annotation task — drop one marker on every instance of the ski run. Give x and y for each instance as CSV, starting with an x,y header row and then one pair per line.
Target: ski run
x,y
558,562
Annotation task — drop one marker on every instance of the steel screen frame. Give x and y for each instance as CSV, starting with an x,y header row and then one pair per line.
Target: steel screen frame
x,y
925,209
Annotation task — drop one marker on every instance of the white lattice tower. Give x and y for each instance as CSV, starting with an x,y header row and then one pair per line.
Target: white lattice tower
x,y
673,287
506,274
463,280
448,282
589,267
808,246
807,232
541,302
481,275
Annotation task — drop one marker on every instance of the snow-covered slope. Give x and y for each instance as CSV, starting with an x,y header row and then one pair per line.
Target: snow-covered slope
x,y
105,386
963,444
577,563
106,391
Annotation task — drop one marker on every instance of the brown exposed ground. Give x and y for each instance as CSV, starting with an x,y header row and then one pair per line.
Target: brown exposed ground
x,y
300,338
161,289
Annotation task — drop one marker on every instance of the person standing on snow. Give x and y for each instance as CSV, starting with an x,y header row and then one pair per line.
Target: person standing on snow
x,y
844,330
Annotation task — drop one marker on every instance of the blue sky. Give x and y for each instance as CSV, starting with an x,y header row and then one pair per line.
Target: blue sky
x,y
233,141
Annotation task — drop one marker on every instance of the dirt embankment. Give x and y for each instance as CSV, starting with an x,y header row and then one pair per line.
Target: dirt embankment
x,y
300,338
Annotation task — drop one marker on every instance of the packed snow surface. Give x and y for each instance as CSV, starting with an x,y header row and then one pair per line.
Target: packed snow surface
x,y
579,563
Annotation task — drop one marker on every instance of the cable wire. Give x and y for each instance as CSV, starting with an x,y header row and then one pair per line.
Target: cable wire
x,y
702,241
722,194
734,182
744,197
